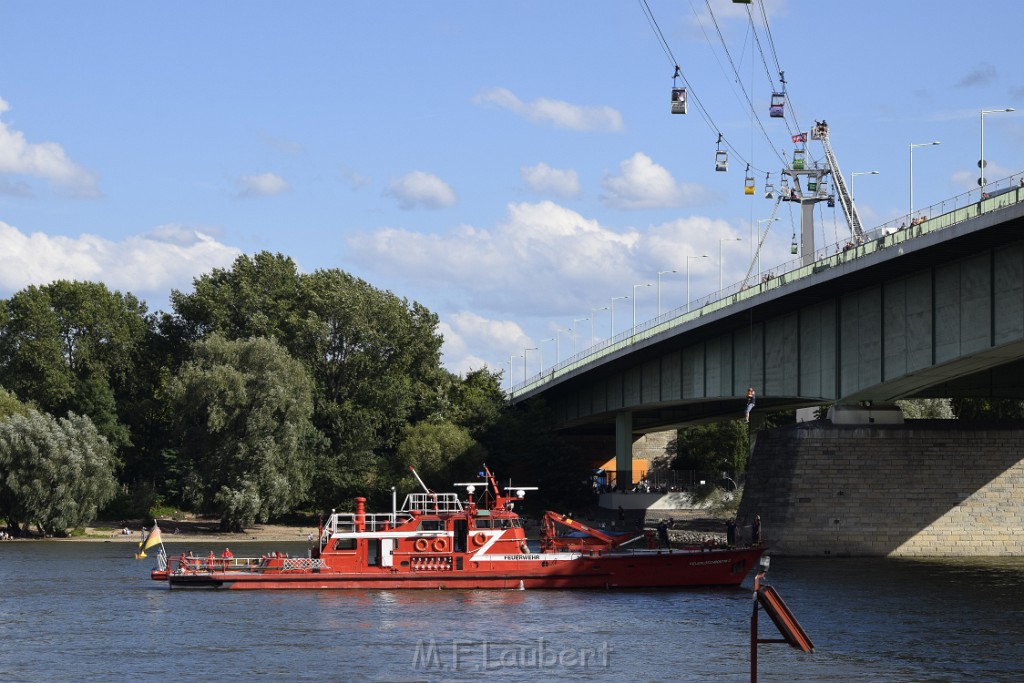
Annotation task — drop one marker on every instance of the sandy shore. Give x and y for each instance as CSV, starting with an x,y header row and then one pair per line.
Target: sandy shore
x,y
191,531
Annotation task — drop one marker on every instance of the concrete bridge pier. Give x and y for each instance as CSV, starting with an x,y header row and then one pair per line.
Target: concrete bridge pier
x,y
623,450
927,488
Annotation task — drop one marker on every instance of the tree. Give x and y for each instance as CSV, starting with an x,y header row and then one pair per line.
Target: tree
x,y
374,358
988,408
243,412
926,409
54,472
713,448
438,452
73,347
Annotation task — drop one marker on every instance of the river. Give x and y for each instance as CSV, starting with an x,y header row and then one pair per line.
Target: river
x,y
83,611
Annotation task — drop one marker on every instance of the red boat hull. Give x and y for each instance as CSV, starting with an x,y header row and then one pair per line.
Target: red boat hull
x,y
640,569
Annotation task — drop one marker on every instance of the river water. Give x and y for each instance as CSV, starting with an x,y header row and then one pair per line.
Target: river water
x,y
81,611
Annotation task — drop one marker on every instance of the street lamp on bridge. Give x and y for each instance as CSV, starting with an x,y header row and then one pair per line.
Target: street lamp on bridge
x,y
593,314
524,361
577,320
611,325
688,278
853,177
642,284
720,243
660,273
981,159
912,146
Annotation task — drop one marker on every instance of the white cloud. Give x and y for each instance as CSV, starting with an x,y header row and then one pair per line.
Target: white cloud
x,y
464,330
262,185
539,256
555,112
152,264
643,184
354,179
45,160
419,189
542,178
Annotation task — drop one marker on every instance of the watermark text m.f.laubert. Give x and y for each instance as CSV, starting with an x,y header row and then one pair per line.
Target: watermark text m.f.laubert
x,y
541,653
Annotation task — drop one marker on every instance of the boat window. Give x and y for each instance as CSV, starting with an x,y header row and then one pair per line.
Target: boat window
x,y
430,525
345,544
482,523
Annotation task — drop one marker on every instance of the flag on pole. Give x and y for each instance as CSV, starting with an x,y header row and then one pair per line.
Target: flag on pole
x,y
800,137
151,540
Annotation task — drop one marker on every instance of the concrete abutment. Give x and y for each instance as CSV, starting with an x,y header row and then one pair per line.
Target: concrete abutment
x,y
926,488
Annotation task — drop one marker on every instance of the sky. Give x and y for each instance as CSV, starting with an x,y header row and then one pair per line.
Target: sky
x,y
512,166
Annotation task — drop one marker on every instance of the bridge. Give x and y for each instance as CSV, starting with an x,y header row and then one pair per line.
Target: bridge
x,y
917,309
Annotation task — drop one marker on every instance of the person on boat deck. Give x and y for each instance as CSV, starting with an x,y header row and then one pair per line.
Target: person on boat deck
x,y
663,535
730,531
227,553
755,530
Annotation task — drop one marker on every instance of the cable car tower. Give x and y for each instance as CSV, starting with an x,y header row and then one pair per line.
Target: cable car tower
x,y
817,192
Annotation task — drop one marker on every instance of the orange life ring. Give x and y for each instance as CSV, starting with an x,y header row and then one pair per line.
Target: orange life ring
x,y
421,545
440,545
479,538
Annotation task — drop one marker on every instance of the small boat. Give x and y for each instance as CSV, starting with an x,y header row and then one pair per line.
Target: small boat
x,y
441,540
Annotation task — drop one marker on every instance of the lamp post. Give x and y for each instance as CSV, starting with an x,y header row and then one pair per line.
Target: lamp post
x,y
642,284
611,325
593,314
510,373
854,175
981,159
525,363
660,273
540,348
912,146
720,243
577,320
759,222
688,278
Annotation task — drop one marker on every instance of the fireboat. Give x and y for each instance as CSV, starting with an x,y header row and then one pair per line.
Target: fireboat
x,y
441,541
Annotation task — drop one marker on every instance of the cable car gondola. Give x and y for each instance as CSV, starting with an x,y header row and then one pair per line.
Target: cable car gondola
x,y
812,184
721,157
678,100
798,159
777,108
769,189
748,182
678,94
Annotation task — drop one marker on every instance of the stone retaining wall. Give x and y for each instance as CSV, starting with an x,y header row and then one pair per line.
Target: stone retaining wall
x,y
925,488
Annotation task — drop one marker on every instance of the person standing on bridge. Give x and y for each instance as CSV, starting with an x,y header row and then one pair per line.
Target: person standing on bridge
x,y
751,400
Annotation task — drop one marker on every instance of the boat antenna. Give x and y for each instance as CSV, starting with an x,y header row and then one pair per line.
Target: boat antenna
x,y
413,470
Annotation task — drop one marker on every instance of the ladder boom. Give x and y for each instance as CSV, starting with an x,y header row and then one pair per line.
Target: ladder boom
x,y
820,132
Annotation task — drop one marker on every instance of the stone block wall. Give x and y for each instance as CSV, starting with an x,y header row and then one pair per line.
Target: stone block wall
x,y
925,488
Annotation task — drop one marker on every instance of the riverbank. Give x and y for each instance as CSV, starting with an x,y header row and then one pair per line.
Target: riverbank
x,y
185,531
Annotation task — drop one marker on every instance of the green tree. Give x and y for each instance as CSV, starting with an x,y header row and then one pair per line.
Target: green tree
x,y
242,411
54,472
73,347
374,358
988,408
713,448
438,452
926,409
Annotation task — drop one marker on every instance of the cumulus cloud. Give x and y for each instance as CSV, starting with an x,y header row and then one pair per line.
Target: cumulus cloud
x,y
419,189
170,256
262,185
554,112
538,256
643,184
45,160
464,330
542,178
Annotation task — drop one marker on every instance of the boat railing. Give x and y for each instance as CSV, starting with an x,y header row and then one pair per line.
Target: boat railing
x,y
248,564
345,522
431,503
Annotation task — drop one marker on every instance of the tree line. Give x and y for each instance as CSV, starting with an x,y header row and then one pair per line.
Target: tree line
x,y
263,392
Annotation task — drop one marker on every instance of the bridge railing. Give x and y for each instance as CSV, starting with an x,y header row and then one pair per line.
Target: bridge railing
x,y
938,216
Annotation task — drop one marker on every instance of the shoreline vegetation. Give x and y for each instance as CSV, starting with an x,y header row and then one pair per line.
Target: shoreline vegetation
x,y
684,527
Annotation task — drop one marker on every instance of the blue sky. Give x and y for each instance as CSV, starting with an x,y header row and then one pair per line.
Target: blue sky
x,y
510,165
